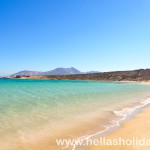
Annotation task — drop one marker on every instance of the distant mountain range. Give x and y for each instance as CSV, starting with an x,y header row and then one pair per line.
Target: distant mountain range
x,y
57,71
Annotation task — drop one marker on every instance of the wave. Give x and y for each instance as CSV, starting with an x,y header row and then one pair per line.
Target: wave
x,y
123,115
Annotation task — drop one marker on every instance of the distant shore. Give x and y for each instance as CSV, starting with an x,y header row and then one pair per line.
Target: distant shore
x,y
141,75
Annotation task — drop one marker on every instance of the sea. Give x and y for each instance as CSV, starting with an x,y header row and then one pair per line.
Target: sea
x,y
34,113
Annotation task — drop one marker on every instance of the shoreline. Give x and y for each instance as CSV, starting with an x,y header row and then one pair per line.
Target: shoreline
x,y
117,124
125,81
138,126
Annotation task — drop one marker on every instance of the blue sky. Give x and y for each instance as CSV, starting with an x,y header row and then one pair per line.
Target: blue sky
x,y
101,35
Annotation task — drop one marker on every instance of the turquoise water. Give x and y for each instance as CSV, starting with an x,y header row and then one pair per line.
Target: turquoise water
x,y
29,104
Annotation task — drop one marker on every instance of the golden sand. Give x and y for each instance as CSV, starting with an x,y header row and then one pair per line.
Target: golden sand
x,y
138,127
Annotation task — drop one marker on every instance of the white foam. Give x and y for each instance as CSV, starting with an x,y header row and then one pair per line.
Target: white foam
x,y
124,113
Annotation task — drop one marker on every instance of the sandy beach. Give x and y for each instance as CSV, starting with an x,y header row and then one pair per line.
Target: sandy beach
x,y
139,127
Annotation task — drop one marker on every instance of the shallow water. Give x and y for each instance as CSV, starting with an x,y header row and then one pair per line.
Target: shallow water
x,y
33,109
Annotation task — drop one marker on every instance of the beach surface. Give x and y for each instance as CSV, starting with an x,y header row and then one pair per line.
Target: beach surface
x,y
138,127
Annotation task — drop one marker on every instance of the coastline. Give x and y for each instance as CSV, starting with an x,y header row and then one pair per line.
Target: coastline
x,y
127,114
132,75
138,126
45,78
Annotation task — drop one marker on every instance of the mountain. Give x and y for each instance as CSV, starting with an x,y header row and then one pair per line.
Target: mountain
x,y
62,71
57,71
27,73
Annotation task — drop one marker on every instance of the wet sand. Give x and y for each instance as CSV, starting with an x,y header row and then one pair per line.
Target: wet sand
x,y
138,127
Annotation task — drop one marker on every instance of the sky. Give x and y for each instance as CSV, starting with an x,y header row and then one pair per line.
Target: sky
x,y
99,35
